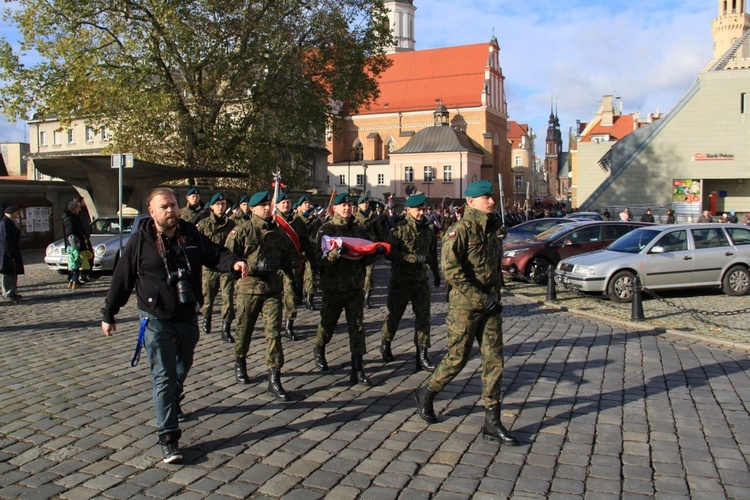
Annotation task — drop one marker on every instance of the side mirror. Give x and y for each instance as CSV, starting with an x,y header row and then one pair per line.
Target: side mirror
x,y
657,249
568,243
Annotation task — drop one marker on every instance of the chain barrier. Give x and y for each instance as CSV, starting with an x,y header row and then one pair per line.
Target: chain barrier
x,y
701,312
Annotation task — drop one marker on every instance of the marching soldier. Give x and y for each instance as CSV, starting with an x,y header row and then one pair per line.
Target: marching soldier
x,y
471,265
244,211
370,224
341,283
301,211
261,242
217,227
194,205
293,285
413,244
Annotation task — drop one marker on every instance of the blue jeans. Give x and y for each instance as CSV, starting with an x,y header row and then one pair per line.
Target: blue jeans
x,y
170,346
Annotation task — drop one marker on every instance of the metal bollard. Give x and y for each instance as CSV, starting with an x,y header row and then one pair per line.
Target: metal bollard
x,y
636,313
551,292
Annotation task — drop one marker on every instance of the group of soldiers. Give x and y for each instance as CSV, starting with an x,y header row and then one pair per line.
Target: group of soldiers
x,y
283,251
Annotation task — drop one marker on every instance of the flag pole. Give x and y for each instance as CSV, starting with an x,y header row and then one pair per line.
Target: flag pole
x,y
502,192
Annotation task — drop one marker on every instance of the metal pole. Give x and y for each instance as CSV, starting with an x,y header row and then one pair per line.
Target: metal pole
x,y
119,200
551,292
636,313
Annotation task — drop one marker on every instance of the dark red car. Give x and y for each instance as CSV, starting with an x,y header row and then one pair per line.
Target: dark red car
x,y
531,258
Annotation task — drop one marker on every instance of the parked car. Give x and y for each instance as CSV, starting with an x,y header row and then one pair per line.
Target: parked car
x,y
585,216
529,229
665,257
531,258
105,240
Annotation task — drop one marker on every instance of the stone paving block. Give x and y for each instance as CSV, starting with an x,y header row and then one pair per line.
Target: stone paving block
x,y
39,479
279,485
123,491
323,480
79,493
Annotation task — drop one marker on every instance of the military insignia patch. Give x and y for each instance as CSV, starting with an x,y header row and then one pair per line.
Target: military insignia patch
x,y
452,234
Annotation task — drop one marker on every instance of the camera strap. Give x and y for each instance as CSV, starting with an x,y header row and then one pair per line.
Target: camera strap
x,y
159,237
139,344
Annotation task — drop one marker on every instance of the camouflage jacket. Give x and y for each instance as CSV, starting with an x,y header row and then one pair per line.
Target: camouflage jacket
x,y
371,227
472,253
189,211
339,274
240,216
300,229
408,239
216,228
256,239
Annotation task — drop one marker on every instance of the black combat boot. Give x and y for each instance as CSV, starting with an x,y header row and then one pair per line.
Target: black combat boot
x,y
240,371
424,397
206,324
310,305
358,375
274,385
385,351
368,293
423,362
289,329
494,430
320,358
226,336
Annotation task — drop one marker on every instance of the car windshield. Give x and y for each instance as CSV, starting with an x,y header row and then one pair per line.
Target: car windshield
x,y
111,225
551,232
634,241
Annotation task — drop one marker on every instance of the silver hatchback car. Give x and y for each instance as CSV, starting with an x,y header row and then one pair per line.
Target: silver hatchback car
x,y
665,257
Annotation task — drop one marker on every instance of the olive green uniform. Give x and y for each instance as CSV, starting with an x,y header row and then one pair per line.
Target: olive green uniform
x,y
373,231
260,292
341,282
471,254
240,216
189,211
409,282
310,281
293,284
217,229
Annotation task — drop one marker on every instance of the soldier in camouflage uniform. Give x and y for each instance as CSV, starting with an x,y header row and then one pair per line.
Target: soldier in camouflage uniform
x,y
413,244
312,223
217,227
293,286
471,265
373,230
244,212
193,207
341,283
262,243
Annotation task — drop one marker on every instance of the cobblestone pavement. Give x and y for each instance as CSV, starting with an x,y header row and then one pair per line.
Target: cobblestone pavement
x,y
604,408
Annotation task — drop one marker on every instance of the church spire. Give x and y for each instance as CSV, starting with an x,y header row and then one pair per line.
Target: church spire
x,y
730,24
401,23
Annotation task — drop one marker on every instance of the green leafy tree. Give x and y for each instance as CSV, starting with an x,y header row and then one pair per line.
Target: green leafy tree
x,y
244,86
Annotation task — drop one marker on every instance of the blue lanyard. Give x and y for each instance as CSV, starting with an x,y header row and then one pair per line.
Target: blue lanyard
x,y
139,345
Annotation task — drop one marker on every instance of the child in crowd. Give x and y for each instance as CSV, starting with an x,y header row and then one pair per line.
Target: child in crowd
x,y
87,259
74,260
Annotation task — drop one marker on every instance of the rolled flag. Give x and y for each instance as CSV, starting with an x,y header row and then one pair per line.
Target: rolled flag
x,y
356,247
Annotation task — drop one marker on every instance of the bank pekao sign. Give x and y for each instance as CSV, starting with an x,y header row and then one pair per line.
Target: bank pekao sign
x,y
713,156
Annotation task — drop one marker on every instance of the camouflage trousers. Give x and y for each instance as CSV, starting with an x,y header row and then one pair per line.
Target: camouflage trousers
x,y
291,297
463,327
212,280
353,302
400,293
248,309
370,277
310,286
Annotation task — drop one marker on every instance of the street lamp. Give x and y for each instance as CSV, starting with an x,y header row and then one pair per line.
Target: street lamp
x,y
428,181
364,178
349,169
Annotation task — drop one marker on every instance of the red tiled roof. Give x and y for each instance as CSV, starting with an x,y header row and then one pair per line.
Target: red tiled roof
x,y
622,126
515,132
418,80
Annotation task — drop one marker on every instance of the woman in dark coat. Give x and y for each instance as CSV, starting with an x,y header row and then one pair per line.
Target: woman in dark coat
x,y
11,261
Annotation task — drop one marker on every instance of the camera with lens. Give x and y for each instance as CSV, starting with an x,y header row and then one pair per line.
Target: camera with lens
x,y
181,279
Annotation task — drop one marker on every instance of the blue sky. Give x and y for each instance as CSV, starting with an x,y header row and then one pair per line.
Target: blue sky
x,y
646,52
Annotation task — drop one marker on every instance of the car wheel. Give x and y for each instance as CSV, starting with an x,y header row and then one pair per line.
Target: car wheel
x,y
620,288
736,281
537,270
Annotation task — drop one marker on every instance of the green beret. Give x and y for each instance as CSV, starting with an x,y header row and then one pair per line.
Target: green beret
x,y
258,198
193,190
342,198
363,199
282,196
244,199
478,188
217,197
415,200
302,199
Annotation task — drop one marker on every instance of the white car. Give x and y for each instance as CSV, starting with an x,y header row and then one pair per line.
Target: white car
x,y
665,257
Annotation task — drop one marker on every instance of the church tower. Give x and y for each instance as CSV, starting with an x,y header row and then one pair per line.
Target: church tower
x,y
553,148
730,24
401,22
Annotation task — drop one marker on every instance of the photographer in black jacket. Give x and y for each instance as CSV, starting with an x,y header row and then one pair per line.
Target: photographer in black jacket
x,y
163,262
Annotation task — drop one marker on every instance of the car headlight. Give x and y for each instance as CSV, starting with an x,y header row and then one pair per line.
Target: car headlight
x,y
100,250
512,253
50,250
584,270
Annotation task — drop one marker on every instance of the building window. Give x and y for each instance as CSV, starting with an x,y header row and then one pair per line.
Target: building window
x,y
447,173
381,179
518,161
743,97
358,152
71,136
105,134
408,174
89,134
57,137
43,138
342,180
360,179
519,182
428,174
